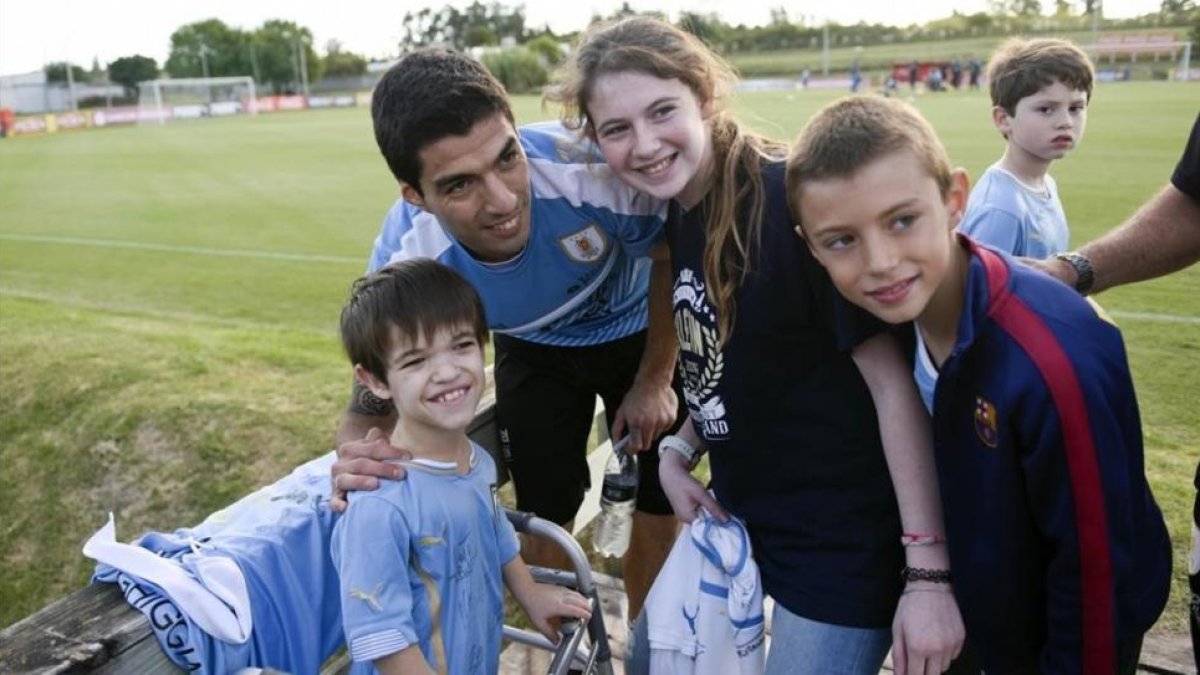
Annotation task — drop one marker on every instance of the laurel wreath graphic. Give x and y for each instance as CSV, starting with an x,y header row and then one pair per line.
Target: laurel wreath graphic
x,y
714,365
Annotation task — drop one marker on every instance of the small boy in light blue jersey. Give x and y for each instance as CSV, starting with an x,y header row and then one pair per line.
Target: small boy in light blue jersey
x,y
1040,92
421,560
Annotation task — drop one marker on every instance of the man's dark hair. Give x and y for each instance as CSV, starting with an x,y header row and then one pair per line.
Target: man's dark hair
x,y
407,299
428,95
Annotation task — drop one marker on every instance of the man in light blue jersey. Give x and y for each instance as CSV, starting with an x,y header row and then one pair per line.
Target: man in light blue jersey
x,y
561,254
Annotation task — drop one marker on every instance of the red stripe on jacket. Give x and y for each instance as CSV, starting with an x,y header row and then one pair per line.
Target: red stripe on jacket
x,y
1091,522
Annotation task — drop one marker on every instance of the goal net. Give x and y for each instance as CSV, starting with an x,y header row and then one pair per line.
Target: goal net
x,y
1142,56
190,98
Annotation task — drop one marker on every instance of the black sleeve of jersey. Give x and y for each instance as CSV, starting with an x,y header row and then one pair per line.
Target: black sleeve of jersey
x,y
1187,172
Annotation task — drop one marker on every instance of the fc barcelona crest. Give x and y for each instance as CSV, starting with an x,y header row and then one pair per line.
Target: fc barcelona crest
x,y
985,422
586,245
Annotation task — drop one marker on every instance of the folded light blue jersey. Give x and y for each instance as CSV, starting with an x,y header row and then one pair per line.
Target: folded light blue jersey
x,y
280,591
582,278
420,564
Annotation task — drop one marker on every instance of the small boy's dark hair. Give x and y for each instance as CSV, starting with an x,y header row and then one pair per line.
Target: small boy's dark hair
x,y
428,95
852,132
412,298
1019,68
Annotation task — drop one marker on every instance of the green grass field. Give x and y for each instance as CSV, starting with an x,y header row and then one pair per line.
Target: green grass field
x,y
169,297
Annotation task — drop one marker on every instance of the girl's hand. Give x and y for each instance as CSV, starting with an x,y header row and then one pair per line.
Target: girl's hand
x,y
685,493
927,633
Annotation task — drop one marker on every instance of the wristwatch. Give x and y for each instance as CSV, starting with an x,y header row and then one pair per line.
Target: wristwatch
x,y
1085,275
673,442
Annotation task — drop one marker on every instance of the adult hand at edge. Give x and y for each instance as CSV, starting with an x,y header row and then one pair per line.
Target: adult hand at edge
x,y
647,411
360,465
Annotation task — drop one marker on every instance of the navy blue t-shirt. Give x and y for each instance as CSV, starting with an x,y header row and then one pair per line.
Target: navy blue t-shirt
x,y
789,422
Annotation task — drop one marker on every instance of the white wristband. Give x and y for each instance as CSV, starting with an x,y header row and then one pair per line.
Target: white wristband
x,y
673,442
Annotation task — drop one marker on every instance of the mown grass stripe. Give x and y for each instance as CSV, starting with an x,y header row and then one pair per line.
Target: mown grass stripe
x,y
176,248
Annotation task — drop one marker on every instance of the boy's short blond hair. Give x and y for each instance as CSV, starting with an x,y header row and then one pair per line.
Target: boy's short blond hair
x,y
850,133
1020,68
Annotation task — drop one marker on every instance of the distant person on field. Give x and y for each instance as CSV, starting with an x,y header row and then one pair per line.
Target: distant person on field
x,y
855,76
1040,91
914,71
420,560
974,68
933,81
1060,556
804,75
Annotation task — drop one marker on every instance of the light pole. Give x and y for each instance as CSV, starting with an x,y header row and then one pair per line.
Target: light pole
x,y
300,61
204,52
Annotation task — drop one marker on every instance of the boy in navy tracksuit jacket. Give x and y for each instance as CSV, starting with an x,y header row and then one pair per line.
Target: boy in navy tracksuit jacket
x,y
1060,556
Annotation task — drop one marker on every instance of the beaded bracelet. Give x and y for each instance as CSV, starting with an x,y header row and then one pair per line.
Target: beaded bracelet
x,y
922,574
913,539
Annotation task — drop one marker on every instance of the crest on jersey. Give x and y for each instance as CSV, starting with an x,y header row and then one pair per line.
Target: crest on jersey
x,y
586,245
985,422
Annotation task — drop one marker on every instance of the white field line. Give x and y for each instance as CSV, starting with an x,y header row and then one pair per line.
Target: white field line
x,y
307,257
143,313
195,250
1155,318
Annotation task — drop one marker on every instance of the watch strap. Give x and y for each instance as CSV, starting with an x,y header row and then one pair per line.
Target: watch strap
x,y
673,442
1085,274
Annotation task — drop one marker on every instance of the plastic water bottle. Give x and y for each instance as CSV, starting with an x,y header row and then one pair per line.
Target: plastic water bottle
x,y
617,498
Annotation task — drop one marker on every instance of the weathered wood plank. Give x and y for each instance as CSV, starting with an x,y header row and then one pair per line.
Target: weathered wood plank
x,y
78,633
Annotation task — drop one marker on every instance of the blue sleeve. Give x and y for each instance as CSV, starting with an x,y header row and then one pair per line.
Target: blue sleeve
x,y
371,547
997,228
1081,457
397,221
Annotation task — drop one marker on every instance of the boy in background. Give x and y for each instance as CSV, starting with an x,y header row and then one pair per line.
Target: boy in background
x,y
420,560
1060,555
1040,92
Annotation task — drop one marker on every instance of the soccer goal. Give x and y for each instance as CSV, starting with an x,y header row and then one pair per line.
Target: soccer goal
x,y
1117,57
190,98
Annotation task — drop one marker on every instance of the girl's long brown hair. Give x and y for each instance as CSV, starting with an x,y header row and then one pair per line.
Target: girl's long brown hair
x,y
656,48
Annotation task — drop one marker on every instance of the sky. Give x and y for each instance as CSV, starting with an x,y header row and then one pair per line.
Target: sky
x,y
36,32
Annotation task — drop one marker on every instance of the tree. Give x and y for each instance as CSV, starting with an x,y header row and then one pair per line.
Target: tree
x,y
277,48
208,49
127,71
477,24
338,63
1173,8
708,27
546,48
57,72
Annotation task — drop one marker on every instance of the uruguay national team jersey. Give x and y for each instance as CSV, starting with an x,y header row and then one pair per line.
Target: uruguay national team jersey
x,y
421,561
253,585
1006,214
582,278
